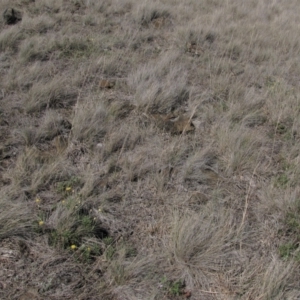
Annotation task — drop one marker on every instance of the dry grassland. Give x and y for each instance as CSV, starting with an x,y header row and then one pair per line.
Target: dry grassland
x,y
150,149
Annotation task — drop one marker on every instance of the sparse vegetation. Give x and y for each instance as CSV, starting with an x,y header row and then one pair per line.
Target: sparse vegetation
x,y
149,149
173,288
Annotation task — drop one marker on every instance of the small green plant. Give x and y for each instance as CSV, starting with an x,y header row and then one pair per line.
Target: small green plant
x,y
87,223
292,231
286,250
66,187
281,180
87,253
292,221
110,248
110,252
108,241
63,239
174,288
297,255
71,231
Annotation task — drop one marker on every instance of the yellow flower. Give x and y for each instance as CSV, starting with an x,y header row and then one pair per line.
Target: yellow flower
x,y
63,202
68,188
73,247
41,223
37,200
89,249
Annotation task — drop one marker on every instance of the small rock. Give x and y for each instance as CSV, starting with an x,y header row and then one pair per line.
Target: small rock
x,y
11,16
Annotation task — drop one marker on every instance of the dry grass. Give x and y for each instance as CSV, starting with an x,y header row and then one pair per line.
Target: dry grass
x,y
103,196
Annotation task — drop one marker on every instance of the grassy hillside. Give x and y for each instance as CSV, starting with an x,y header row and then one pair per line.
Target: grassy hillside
x,y
149,149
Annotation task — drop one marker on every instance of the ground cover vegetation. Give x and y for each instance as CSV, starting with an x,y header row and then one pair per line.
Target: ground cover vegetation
x,y
149,149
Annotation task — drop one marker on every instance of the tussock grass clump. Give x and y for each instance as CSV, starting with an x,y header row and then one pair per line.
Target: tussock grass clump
x,y
241,149
254,119
121,141
54,168
53,124
26,164
146,13
160,87
10,39
201,168
197,245
90,122
16,219
43,49
268,282
35,48
44,7
53,94
37,170
39,25
195,40
74,47
23,80
120,109
112,67
123,272
67,227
